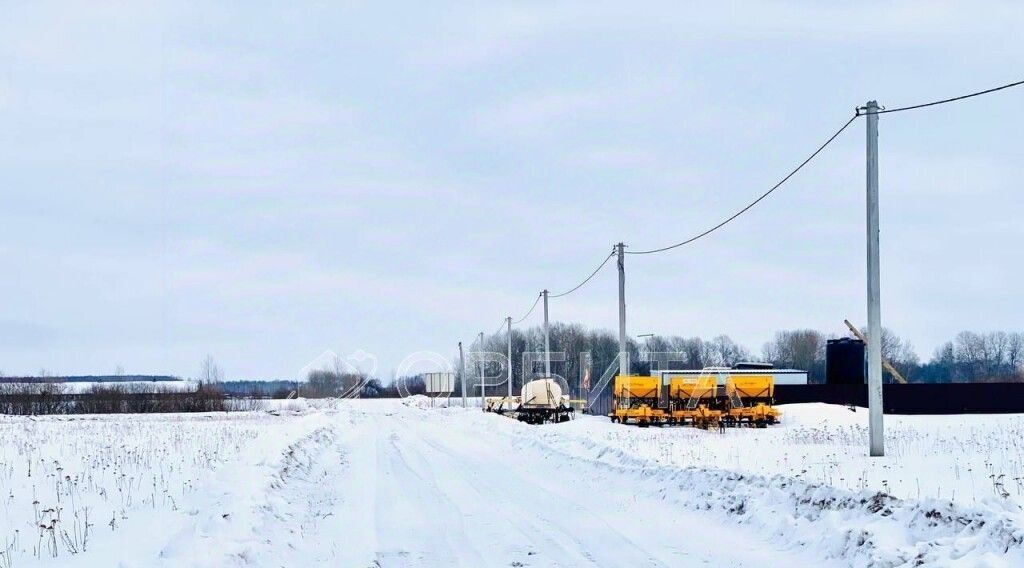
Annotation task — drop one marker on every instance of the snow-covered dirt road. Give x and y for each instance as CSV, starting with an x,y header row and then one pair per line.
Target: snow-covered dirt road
x,y
368,484
391,486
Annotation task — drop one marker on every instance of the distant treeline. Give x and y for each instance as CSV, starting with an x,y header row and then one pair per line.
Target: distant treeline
x,y
89,379
258,389
969,357
36,398
323,384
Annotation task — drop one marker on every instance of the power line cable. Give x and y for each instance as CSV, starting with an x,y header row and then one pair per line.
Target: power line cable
x,y
578,287
533,307
588,278
859,112
754,202
943,101
500,327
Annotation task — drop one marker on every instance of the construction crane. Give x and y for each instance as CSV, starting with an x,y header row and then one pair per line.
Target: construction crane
x,y
885,362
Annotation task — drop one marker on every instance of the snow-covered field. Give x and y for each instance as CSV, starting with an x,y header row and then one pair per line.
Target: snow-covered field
x,y
388,483
89,490
968,459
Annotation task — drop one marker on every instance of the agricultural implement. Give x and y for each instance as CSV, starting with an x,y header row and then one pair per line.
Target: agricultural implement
x,y
749,400
690,400
697,400
637,399
501,404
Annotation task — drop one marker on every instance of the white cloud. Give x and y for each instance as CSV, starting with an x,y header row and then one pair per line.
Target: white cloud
x,y
265,183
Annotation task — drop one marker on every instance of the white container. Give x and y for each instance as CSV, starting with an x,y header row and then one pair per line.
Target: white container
x,y
542,393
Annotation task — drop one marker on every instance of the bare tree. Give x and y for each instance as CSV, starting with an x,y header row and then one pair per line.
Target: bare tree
x,y
336,380
695,352
1015,350
897,350
800,349
210,373
726,352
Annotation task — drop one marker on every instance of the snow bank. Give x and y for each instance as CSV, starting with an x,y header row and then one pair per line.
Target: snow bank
x,y
965,459
865,528
291,405
417,401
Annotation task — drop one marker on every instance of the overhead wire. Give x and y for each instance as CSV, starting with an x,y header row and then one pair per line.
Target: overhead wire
x,y
500,327
587,279
533,307
860,111
566,293
754,202
943,101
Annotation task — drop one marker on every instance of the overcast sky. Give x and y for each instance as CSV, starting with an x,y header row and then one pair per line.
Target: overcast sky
x,y
264,182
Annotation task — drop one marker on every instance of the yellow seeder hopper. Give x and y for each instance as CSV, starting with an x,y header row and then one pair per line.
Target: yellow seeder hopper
x,y
636,399
689,400
749,400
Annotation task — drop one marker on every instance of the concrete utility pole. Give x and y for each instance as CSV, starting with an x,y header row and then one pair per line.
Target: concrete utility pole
x,y
480,368
620,250
462,362
876,431
508,320
547,338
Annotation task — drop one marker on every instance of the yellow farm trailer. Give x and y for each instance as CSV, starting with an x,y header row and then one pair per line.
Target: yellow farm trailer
x,y
690,400
749,400
636,399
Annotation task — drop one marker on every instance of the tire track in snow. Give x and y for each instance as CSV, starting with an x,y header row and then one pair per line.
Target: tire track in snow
x,y
599,515
415,519
249,516
379,488
488,515
559,528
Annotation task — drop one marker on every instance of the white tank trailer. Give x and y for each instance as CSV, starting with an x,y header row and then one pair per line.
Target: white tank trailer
x,y
542,401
